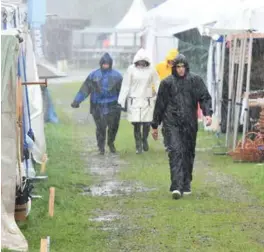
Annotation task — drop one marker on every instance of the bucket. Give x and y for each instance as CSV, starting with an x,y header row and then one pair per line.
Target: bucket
x,y
21,212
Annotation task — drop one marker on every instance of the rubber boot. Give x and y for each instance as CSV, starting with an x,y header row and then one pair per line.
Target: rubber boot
x,y
146,129
137,135
112,148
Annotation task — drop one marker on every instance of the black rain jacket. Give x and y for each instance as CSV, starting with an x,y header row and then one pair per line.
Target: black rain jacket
x,y
178,98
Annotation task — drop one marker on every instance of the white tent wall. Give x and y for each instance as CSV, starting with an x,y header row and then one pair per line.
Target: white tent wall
x,y
158,46
35,102
213,80
11,236
132,20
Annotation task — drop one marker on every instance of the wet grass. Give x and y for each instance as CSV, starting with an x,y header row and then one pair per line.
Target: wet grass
x,y
202,222
149,221
69,229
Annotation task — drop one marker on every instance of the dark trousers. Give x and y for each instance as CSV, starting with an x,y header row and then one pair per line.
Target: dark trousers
x,y
164,137
141,133
109,122
181,147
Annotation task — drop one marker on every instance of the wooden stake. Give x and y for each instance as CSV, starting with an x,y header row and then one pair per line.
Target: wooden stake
x,y
51,201
43,245
43,164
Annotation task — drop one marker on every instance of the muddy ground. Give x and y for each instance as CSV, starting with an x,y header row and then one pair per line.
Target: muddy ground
x,y
106,182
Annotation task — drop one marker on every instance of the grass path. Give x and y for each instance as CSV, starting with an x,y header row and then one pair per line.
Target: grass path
x,y
225,212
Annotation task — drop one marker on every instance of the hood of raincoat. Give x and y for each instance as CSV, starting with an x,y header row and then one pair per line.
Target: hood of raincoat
x,y
141,55
106,59
172,54
180,59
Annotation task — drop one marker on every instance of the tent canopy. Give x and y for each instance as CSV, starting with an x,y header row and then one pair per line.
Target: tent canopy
x,y
47,71
238,18
166,20
131,21
134,17
173,17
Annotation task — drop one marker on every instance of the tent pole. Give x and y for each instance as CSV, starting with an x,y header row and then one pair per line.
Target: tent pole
x,y
239,91
232,53
217,82
247,88
233,104
221,81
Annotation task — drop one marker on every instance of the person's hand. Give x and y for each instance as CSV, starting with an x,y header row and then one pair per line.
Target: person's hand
x,y
75,105
208,120
155,134
120,108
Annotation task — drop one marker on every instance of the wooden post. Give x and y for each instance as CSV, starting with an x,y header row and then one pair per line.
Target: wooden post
x,y
45,83
51,201
43,245
43,164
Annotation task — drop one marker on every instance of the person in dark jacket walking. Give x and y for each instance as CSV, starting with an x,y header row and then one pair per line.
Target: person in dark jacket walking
x,y
176,107
103,85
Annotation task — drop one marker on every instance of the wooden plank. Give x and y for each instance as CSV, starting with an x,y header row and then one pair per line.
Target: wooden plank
x,y
247,35
43,245
51,201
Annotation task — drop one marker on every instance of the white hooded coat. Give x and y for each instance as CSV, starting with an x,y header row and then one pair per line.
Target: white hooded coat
x,y
137,90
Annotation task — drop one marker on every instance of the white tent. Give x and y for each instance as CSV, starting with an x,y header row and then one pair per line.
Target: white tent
x,y
247,15
131,21
11,236
172,17
238,20
15,13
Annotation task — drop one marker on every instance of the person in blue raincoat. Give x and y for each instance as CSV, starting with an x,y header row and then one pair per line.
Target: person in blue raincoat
x,y
103,85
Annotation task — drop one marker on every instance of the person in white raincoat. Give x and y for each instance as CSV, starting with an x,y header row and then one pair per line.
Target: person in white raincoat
x,y
139,89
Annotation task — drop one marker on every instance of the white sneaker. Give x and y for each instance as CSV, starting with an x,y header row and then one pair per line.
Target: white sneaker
x,y
187,193
176,194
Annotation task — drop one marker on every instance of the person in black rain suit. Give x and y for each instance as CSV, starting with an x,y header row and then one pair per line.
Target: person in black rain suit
x,y
103,85
176,107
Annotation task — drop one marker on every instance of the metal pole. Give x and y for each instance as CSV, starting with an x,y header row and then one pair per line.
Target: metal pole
x,y
221,80
232,53
247,88
237,90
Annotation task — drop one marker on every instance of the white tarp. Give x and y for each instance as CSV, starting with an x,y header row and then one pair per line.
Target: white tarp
x,y
131,21
213,77
11,236
35,102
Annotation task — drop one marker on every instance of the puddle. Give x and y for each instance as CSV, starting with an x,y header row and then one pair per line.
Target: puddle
x,y
104,166
114,188
104,169
110,229
204,239
99,170
108,217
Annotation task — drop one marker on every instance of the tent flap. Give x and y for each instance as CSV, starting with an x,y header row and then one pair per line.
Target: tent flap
x,y
11,236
